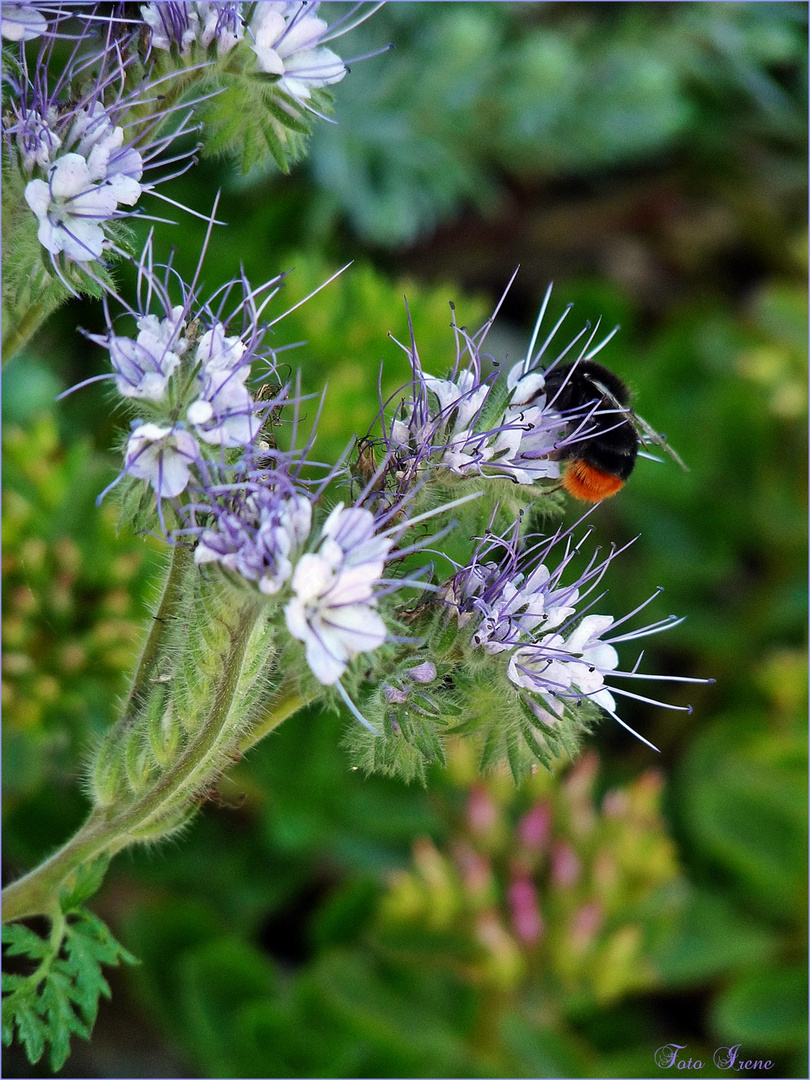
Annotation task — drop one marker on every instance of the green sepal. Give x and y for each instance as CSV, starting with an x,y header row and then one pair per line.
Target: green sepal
x,y
107,770
162,727
137,760
137,506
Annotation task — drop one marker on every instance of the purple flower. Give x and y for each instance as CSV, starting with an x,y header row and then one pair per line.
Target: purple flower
x,y
186,24
513,602
144,366
475,424
486,418
224,413
261,541
573,666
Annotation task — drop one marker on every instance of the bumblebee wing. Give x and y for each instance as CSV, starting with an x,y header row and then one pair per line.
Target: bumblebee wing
x,y
650,435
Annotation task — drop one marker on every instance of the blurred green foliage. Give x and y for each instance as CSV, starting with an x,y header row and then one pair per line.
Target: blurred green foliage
x,y
517,90
313,921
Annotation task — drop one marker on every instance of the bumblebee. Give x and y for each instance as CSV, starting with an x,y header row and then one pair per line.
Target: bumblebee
x,y
599,463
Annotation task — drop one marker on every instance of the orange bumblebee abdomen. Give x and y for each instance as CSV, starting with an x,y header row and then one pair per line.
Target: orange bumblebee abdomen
x,y
585,482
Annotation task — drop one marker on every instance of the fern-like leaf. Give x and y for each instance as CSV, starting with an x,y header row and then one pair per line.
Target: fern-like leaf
x,y
60,997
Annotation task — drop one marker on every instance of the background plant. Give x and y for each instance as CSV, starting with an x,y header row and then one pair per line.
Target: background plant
x,y
704,267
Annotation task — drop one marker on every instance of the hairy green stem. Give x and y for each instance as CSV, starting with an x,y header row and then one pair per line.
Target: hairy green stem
x,y
21,330
162,620
110,829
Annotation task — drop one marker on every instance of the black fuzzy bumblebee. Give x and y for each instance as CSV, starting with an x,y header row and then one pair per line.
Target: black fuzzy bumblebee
x,y
598,465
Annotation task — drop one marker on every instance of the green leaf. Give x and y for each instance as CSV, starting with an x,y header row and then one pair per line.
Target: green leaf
x,y
62,1021
765,1009
86,881
744,801
60,998
710,938
31,1030
20,941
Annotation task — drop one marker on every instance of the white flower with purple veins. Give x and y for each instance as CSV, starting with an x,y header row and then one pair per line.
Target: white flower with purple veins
x,y
21,22
215,351
571,667
84,187
333,607
224,414
143,367
71,209
286,40
531,430
163,456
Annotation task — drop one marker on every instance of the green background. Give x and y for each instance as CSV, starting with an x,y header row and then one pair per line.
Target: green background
x,y
651,160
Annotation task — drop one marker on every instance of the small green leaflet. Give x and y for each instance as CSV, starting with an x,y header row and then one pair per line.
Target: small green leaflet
x,y
60,997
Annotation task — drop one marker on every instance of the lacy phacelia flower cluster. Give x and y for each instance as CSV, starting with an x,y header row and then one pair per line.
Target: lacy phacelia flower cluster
x,y
198,442
472,424
514,603
286,38
448,422
218,408
332,607
77,145
206,443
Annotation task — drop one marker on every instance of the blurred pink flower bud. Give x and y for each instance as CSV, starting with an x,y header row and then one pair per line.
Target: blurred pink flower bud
x,y
565,865
533,827
526,920
482,810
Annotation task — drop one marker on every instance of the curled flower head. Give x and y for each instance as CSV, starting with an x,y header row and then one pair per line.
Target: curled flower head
x,y
79,139
490,418
186,24
260,541
484,418
202,424
512,601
